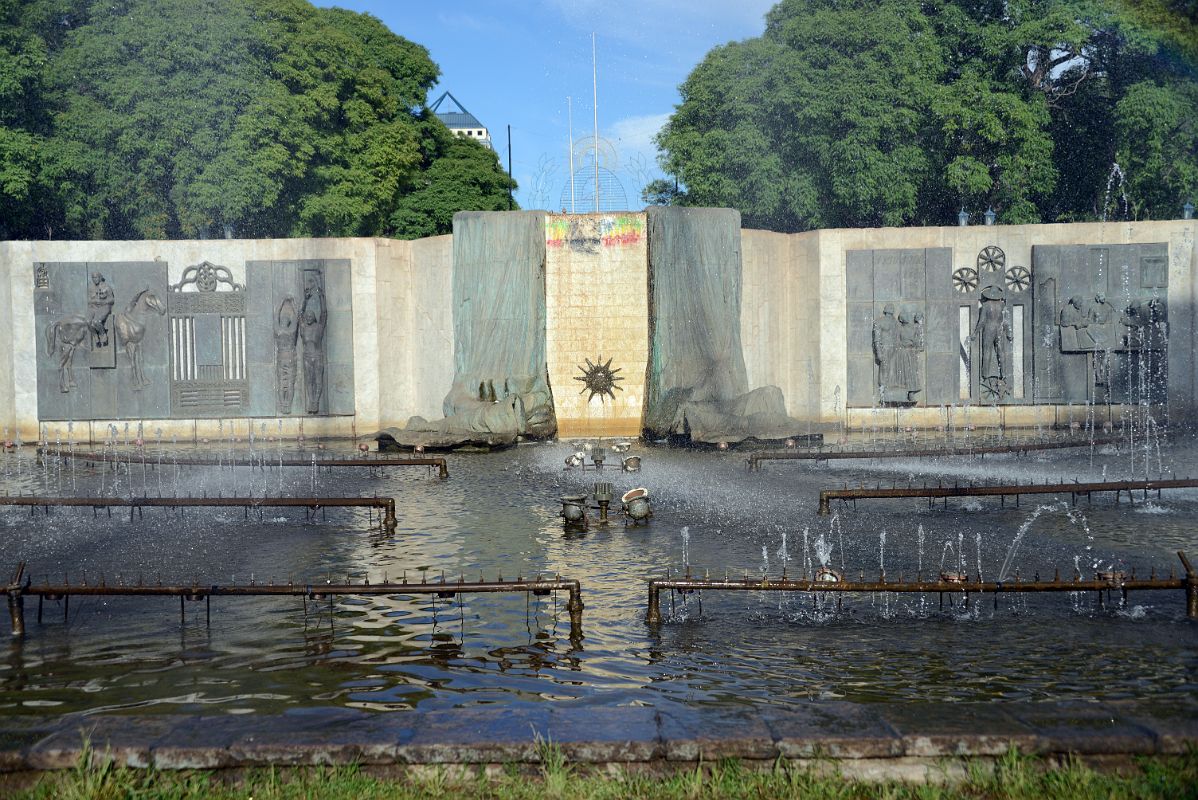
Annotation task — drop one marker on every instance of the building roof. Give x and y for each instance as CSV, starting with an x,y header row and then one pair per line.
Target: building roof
x,y
454,119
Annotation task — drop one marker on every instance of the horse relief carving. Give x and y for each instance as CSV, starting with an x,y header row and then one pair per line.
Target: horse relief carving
x,y
130,327
63,338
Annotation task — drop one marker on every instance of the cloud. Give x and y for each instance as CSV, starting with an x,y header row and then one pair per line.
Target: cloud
x,y
635,135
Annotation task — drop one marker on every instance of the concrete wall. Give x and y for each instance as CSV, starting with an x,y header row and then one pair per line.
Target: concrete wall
x,y
780,320
402,344
794,312
793,322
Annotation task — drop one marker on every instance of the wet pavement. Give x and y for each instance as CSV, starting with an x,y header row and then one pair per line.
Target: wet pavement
x,y
904,734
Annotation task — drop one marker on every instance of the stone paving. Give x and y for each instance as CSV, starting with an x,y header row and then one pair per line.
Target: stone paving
x,y
852,733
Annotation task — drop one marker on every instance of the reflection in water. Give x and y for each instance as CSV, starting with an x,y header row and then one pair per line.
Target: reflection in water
x,y
498,514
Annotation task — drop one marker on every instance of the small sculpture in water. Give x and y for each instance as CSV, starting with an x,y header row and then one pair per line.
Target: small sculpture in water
x,y
313,316
286,334
636,505
130,327
574,510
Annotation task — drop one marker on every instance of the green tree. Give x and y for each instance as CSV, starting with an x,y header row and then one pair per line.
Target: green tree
x,y
185,118
22,125
850,113
458,173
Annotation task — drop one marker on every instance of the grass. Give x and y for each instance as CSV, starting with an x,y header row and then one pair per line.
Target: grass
x,y
1011,776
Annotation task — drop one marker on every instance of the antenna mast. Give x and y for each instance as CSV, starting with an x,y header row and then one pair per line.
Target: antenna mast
x,y
570,112
595,90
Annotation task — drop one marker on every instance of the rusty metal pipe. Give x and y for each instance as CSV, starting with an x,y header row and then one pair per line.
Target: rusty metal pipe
x,y
686,585
755,459
1003,490
134,458
197,591
313,503
1191,586
790,585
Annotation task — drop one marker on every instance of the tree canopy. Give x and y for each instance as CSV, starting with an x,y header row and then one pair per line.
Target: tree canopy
x,y
185,118
849,113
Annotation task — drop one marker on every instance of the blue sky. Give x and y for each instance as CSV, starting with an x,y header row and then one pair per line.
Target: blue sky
x,y
514,62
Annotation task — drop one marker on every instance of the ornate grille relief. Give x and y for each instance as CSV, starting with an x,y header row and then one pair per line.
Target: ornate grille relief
x,y
208,353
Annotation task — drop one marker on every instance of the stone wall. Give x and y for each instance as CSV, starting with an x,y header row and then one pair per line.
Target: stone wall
x,y
818,334
793,326
401,330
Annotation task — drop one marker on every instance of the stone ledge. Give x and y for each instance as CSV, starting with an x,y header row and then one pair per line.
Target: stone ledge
x,y
863,734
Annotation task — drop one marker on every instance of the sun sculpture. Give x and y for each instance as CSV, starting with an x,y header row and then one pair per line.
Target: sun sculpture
x,y
599,378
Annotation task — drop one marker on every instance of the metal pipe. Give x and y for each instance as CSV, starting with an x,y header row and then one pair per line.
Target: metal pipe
x,y
1074,489
125,458
1191,586
317,591
791,585
16,601
311,504
654,613
755,459
785,584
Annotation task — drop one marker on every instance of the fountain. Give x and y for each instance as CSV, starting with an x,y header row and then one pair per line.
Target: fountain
x,y
986,388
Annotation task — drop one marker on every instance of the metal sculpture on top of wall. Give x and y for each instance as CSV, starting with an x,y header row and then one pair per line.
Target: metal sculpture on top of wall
x,y
1012,334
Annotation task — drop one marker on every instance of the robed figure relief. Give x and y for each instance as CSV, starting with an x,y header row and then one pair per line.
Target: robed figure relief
x,y
897,344
313,316
910,348
286,335
885,343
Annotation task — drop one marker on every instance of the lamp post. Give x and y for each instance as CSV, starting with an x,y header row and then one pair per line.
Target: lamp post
x,y
962,217
1187,211
990,216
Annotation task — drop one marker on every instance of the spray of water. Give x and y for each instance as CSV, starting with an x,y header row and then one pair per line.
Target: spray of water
x,y
1019,534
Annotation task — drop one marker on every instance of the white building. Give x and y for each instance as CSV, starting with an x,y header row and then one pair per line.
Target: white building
x,y
461,122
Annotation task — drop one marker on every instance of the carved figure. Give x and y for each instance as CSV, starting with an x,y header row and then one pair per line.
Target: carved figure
x,y
885,342
1075,324
100,299
130,327
313,316
63,337
286,332
910,345
991,330
1102,331
1102,317
1145,323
